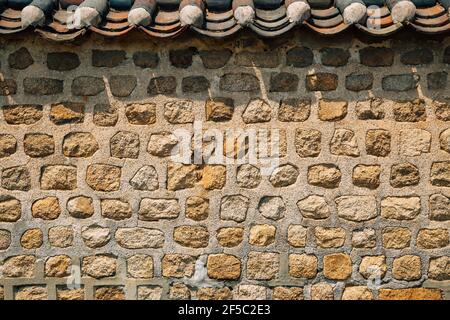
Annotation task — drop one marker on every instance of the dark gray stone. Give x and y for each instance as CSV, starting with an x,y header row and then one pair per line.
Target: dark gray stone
x,y
417,56
321,81
376,56
20,59
8,87
122,86
359,81
400,82
334,57
299,57
62,61
283,82
263,59
87,86
43,86
107,58
237,82
162,85
194,84
437,80
182,58
215,59
146,59
446,56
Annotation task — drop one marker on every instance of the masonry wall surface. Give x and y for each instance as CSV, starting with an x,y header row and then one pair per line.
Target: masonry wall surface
x,y
93,205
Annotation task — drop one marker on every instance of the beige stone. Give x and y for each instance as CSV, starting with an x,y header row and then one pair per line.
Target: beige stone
x,y
400,208
214,177
329,237
230,236
337,266
287,293
38,145
181,176
191,236
149,293
31,293
365,238
410,294
176,265
156,209
214,294
250,292
439,207
109,293
8,145
308,142
223,267
140,266
10,209
367,176
440,174
116,209
103,177
407,267
357,293
70,294
439,268
32,238
297,235
404,175
262,235
67,112
234,207
161,144
373,267
219,109
378,142
248,176
356,208
324,175
414,142
197,208
22,266
22,114
296,110
59,177
5,239
60,236
139,238
58,266
322,291
332,110
46,208
263,265
432,238
256,111
344,143
396,237
95,236
273,208
99,266
141,114
179,291
80,207
79,144
302,265
314,207
179,111
283,176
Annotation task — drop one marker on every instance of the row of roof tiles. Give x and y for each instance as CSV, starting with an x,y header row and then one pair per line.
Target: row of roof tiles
x,y
68,19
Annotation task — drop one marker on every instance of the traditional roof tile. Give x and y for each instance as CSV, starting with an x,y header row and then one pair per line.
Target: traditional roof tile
x,y
68,19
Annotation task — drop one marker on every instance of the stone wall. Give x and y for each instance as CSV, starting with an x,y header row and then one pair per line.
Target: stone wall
x,y
93,204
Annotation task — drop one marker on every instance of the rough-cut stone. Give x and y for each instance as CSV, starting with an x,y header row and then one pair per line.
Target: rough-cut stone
x,y
214,177
22,113
248,176
156,209
407,267
5,239
62,61
22,266
272,207
400,82
42,86
444,140
79,144
250,292
215,59
58,266
357,293
67,113
417,56
141,113
238,82
8,145
191,236
439,268
109,293
439,207
214,294
179,291
99,266
32,239
334,57
180,176
257,111
302,266
410,111
87,86
322,291
140,266
46,208
10,209
70,294
234,207
396,237
262,235
146,59
80,207
103,177
162,85
372,109
125,144
366,176
16,178
283,176
123,85
295,110
400,208
437,80
263,265
60,236
297,235
161,144
322,81
176,265
105,115
182,58
230,237
116,209
324,175
337,266
365,238
8,87
440,174
223,267
219,109
261,59
314,207
146,178
432,238
149,293
356,208
378,142
95,236
32,293
410,294
179,112
107,58
197,208
373,267
344,143
139,238
308,142
359,81
194,84
283,82
414,142
332,110
329,237
404,174
299,57
20,59
376,56
37,145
